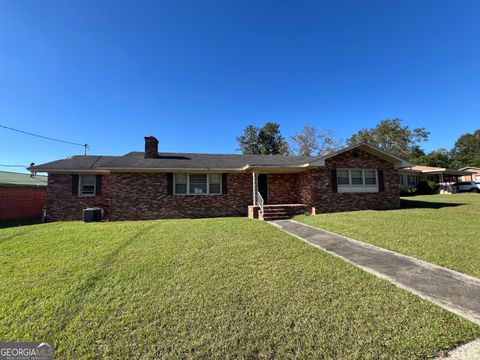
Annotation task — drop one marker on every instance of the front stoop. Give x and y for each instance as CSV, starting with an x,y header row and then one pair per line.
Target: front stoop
x,y
282,211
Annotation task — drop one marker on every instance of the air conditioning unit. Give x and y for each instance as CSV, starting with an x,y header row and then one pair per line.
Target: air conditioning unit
x,y
92,215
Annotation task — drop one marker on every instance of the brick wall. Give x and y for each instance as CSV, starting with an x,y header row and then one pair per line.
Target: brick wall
x,y
326,200
282,189
305,188
144,196
141,196
21,203
62,205
474,177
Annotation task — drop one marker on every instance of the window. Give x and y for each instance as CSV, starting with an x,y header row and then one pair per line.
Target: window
x,y
181,183
412,180
343,177
370,177
214,182
357,180
356,177
197,184
87,185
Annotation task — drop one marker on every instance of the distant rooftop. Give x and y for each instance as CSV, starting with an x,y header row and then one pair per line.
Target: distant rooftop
x,y
437,170
12,179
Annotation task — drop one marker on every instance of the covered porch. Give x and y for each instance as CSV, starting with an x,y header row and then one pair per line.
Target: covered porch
x,y
446,178
276,195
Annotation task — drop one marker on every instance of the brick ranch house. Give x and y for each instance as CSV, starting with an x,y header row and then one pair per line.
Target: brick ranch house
x,y
153,185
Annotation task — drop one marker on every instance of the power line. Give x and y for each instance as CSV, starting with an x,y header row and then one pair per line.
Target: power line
x,y
10,165
46,137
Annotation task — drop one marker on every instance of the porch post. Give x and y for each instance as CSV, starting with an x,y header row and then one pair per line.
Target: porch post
x,y
254,180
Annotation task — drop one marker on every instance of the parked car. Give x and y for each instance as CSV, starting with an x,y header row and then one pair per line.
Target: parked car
x,y
467,186
478,185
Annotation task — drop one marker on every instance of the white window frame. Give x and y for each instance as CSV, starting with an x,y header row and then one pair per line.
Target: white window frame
x,y
80,193
188,184
363,188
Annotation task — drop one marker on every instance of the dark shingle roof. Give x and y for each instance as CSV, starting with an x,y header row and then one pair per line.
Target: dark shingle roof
x,y
135,160
11,179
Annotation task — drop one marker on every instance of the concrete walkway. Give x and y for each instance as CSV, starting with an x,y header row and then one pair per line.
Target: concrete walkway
x,y
451,290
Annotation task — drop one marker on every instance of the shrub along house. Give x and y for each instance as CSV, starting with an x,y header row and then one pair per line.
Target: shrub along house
x,y
153,185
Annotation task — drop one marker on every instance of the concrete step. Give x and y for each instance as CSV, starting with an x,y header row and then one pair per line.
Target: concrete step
x,y
271,213
274,209
279,217
267,212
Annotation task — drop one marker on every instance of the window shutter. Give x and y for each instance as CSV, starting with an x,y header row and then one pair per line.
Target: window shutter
x,y
224,183
334,181
169,183
98,185
381,182
75,185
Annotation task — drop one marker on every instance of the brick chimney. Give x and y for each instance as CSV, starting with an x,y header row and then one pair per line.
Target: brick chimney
x,y
151,147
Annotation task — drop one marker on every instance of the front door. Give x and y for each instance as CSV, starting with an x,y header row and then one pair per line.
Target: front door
x,y
263,187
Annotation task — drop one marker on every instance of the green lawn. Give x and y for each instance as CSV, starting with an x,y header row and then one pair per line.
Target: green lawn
x,y
442,229
221,288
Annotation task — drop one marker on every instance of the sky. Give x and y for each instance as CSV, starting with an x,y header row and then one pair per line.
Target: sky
x,y
196,73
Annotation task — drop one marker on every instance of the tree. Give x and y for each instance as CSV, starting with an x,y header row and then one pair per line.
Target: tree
x,y
390,135
437,158
266,140
417,155
310,141
248,142
466,151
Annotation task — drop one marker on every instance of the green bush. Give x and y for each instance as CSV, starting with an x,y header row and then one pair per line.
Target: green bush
x,y
409,192
426,188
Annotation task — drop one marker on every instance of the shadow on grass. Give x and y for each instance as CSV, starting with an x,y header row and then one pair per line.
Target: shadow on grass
x,y
417,204
14,223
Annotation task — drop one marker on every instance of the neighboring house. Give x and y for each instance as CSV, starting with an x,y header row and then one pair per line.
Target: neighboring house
x,y
410,177
153,185
22,196
474,176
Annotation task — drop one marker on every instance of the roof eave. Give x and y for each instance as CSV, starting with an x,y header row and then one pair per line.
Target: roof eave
x,y
398,162
67,171
275,168
208,169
